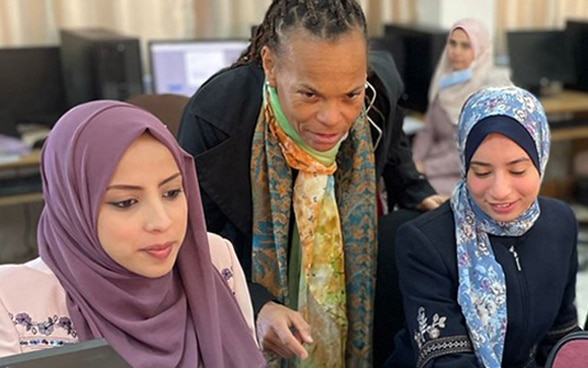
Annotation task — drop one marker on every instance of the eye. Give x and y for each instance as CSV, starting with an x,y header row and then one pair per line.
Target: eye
x,y
482,174
518,173
124,204
171,194
353,95
307,94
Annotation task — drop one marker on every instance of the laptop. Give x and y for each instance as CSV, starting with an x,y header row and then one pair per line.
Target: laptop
x,y
88,354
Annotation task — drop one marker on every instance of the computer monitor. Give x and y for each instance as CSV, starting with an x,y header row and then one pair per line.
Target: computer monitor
x,y
181,67
423,47
540,57
577,34
31,87
392,45
88,354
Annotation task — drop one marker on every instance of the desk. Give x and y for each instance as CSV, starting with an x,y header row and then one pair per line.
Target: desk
x,y
568,119
30,160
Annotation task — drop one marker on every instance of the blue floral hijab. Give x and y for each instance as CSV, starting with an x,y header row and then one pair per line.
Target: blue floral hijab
x,y
482,285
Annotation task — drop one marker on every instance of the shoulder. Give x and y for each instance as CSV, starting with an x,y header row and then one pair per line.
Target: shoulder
x,y
555,211
229,92
223,257
30,282
383,67
35,270
432,234
33,307
439,220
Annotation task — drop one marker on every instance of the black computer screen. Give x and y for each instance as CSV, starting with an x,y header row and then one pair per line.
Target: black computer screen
x,y
540,57
577,34
31,87
422,47
394,46
182,66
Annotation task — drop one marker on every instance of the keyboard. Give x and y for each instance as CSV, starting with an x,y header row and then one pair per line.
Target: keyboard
x,y
20,185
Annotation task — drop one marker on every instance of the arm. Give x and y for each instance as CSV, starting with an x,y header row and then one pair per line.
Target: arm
x,y
404,184
9,340
423,141
208,142
567,319
198,136
225,260
428,284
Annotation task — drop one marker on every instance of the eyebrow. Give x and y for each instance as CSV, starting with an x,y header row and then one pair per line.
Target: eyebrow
x,y
316,92
511,163
136,187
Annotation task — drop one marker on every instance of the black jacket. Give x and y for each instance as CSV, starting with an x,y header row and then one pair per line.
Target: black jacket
x,y
217,129
540,294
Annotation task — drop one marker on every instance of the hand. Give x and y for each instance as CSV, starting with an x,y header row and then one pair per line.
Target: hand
x,y
432,202
420,166
282,331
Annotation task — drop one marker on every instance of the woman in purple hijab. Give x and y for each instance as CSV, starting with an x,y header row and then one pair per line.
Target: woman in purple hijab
x,y
124,252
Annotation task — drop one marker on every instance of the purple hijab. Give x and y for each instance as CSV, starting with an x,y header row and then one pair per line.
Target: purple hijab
x,y
186,318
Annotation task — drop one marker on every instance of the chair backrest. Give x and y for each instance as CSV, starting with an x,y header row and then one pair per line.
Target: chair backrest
x,y
168,107
570,352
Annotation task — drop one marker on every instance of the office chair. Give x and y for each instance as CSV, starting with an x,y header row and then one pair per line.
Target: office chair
x,y
570,352
168,107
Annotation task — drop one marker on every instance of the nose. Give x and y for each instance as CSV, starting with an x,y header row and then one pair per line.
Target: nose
x,y
330,113
157,217
501,187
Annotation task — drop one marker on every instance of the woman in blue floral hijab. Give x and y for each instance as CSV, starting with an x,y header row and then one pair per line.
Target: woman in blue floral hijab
x,y
488,280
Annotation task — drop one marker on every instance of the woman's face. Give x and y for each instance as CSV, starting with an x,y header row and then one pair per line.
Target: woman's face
x,y
459,50
143,217
502,178
320,84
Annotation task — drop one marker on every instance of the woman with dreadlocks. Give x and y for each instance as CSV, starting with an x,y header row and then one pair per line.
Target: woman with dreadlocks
x,y
291,143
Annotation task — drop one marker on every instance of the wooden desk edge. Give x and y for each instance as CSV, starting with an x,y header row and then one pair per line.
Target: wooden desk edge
x,y
31,159
18,199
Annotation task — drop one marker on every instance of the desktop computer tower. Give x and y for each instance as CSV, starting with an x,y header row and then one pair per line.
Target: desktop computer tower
x,y
422,47
100,64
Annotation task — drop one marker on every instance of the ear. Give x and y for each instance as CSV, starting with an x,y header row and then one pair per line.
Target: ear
x,y
269,62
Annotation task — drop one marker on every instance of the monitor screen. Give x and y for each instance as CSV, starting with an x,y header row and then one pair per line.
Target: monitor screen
x,y
31,87
181,67
577,33
88,354
394,46
540,57
422,48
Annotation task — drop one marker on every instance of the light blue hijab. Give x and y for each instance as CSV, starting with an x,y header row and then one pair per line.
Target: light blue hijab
x,y
482,285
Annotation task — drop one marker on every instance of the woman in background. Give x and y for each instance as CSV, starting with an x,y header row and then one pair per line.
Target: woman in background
x,y
466,65
489,279
124,252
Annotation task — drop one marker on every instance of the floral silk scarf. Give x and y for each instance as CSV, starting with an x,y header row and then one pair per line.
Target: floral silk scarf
x,y
335,212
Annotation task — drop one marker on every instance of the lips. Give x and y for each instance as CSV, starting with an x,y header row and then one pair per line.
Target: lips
x,y
327,138
503,207
159,251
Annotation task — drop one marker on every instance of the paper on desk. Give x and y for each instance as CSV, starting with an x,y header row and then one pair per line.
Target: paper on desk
x,y
11,147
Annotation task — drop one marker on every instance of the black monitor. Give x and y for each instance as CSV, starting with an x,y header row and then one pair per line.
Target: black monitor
x,y
180,67
422,47
392,45
99,63
577,33
88,354
31,87
540,57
